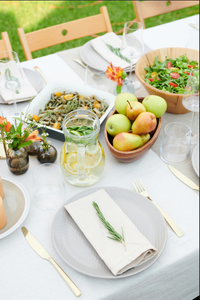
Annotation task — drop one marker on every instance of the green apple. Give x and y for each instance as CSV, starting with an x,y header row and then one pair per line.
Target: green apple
x,y
121,102
155,104
117,123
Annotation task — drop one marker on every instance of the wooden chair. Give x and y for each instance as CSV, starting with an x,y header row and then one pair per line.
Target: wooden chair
x,y
148,9
5,44
64,32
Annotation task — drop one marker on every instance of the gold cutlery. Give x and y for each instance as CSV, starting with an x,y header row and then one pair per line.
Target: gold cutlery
x,y
84,66
183,178
195,26
139,187
43,253
37,69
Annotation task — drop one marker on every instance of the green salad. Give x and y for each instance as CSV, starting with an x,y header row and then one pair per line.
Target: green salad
x,y
172,74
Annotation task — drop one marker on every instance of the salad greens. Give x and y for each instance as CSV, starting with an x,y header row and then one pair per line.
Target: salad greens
x,y
172,74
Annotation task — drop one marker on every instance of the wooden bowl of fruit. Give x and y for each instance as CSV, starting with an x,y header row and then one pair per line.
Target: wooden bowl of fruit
x,y
164,72
131,130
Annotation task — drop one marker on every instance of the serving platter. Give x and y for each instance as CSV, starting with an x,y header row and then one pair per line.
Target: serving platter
x,y
16,203
69,87
73,247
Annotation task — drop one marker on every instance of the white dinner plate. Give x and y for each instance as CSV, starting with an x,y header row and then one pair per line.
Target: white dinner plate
x,y
91,58
73,247
195,159
35,79
44,96
16,203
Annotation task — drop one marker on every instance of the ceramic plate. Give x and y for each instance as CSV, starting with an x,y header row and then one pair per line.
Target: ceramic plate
x,y
72,246
195,159
16,204
91,58
35,79
70,87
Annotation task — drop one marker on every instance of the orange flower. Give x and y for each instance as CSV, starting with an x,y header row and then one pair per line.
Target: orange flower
x,y
7,126
33,137
116,74
2,120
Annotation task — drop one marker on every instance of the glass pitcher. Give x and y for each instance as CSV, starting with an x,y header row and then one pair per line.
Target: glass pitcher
x,y
82,157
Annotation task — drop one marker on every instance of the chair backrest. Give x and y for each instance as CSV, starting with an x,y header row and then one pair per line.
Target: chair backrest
x,y
148,9
5,44
64,32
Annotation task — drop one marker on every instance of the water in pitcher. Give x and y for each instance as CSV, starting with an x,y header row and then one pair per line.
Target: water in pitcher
x,y
82,157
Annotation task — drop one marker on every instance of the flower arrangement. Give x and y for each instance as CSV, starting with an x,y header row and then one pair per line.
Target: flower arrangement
x,y
117,75
16,136
44,143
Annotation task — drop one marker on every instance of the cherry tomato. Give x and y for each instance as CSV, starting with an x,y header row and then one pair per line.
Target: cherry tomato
x,y
151,79
154,74
189,73
191,66
173,84
169,65
174,75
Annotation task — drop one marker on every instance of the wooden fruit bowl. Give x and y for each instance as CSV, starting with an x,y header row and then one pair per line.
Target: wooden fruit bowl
x,y
174,101
129,156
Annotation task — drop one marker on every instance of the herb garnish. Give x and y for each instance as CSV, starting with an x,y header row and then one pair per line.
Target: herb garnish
x,y
81,130
115,236
117,52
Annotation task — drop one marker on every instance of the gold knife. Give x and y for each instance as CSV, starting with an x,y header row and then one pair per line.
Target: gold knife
x,y
184,179
43,253
195,26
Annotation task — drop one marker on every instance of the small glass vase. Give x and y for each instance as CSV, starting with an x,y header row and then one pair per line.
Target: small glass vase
x,y
33,148
127,87
17,160
46,156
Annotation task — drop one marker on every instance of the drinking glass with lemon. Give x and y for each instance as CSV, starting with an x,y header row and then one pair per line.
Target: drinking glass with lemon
x,y
82,157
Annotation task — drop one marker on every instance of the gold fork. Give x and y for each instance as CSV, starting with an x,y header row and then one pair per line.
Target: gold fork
x,y
139,187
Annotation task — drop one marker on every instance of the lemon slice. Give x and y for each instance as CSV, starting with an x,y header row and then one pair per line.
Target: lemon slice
x,y
62,155
91,149
92,160
71,164
75,132
70,147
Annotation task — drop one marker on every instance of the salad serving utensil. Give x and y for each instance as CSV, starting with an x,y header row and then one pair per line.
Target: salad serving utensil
x,y
43,253
37,69
139,187
183,178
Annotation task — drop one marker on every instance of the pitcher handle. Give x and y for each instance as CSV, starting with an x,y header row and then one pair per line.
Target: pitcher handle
x,y
81,161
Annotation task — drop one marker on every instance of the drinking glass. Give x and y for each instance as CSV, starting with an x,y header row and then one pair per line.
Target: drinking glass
x,y
48,187
132,46
11,77
175,145
190,101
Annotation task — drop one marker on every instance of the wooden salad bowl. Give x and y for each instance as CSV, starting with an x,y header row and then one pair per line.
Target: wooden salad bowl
x,y
133,155
174,101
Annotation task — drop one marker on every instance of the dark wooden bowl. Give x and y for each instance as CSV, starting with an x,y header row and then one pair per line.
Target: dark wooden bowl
x,y
129,156
174,101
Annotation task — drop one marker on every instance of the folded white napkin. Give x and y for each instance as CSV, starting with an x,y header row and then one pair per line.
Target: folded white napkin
x,y
99,45
113,253
26,92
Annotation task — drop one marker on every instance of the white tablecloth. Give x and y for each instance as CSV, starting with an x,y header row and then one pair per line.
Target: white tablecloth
x,y
25,276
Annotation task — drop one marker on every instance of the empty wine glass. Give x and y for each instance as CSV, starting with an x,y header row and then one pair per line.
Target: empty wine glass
x,y
132,46
11,77
191,101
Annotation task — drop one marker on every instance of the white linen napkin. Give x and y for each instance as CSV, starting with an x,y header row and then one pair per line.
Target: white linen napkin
x,y
113,253
99,45
26,92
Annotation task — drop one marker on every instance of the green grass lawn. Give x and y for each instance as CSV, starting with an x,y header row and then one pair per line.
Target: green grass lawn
x,y
34,15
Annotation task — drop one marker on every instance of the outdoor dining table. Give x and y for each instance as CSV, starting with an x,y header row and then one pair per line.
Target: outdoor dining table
x,y
25,276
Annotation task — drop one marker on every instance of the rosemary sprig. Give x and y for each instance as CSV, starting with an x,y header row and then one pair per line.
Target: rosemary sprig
x,y
117,52
115,236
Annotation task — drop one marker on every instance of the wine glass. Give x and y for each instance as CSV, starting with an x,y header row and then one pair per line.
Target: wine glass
x,y
190,101
132,46
11,77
